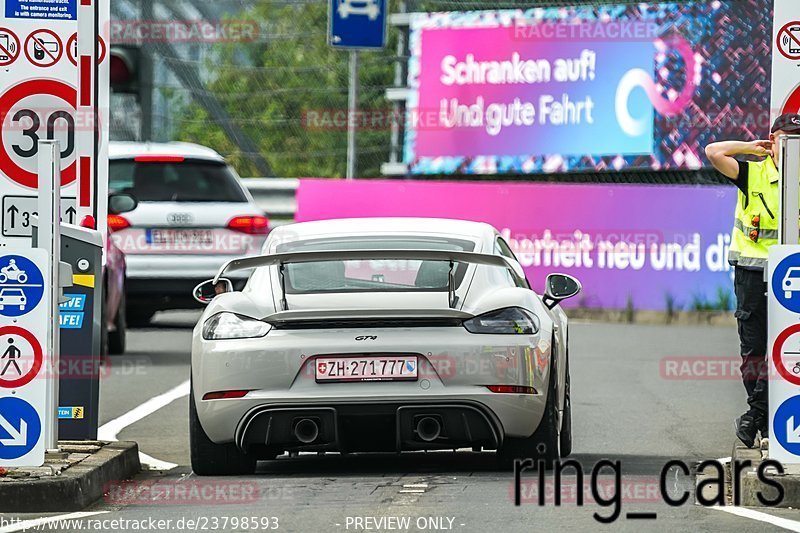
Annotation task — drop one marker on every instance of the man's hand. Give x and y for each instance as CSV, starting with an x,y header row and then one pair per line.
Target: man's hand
x,y
722,154
759,148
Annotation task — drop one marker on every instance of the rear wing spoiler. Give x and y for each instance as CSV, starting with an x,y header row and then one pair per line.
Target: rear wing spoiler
x,y
282,259
288,317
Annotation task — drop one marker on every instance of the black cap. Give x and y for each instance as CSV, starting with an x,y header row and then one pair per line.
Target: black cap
x,y
788,122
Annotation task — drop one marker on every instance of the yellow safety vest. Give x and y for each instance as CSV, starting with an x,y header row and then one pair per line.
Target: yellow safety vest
x,y
755,227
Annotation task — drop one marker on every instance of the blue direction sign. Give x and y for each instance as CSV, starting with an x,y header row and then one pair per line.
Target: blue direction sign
x,y
786,283
357,23
21,285
786,425
20,428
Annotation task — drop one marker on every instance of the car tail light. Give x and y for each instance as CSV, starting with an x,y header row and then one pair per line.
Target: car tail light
x,y
117,222
225,394
159,159
252,225
511,389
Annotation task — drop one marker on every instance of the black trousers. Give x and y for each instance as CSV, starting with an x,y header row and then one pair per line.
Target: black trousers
x,y
751,318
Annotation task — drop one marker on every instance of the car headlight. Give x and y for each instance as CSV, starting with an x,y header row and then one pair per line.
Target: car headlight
x,y
233,326
508,321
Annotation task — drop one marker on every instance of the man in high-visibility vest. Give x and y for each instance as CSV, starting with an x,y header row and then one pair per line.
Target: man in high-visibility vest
x,y
755,230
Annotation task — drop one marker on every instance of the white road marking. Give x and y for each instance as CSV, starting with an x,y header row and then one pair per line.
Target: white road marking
x,y
752,514
777,521
412,491
111,429
415,486
39,522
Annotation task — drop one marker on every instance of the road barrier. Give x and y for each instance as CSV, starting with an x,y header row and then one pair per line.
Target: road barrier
x,y
276,196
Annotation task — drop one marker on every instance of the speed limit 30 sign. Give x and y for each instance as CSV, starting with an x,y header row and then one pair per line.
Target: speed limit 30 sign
x,y
34,110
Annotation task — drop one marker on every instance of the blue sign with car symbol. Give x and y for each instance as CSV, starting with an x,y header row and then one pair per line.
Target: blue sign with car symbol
x,y
21,285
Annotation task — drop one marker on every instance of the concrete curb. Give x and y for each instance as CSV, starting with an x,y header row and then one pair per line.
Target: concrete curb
x,y
77,487
750,487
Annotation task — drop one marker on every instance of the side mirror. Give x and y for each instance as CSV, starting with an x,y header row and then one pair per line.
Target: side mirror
x,y
208,290
559,288
119,203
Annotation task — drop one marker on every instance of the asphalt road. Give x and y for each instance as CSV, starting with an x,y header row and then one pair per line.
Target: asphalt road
x,y
629,405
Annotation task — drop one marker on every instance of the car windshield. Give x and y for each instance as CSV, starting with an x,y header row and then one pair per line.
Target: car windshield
x,y
13,292
175,181
373,275
794,273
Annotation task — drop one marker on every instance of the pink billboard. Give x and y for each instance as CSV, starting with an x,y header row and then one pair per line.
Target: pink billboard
x,y
640,246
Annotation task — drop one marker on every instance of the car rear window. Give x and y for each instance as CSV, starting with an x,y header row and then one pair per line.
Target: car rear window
x,y
373,276
175,181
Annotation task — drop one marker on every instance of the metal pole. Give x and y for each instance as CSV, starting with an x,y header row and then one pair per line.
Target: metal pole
x,y
146,77
352,109
49,236
789,166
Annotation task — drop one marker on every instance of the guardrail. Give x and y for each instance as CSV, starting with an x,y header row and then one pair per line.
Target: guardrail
x,y
276,196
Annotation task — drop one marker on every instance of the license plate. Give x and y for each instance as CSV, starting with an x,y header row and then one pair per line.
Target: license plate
x,y
180,237
374,368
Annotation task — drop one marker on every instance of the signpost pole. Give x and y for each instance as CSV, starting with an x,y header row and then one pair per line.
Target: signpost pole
x,y
50,241
352,109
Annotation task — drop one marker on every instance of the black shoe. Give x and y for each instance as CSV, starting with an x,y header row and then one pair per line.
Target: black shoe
x,y
763,428
746,429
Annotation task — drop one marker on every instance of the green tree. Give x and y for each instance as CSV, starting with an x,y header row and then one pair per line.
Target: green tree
x,y
274,87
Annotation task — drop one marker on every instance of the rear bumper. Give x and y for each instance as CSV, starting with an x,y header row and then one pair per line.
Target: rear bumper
x,y
177,267
166,282
386,426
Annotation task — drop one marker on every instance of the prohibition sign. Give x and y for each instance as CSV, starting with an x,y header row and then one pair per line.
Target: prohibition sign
x,y
9,47
8,100
792,104
788,41
39,48
72,49
37,357
777,351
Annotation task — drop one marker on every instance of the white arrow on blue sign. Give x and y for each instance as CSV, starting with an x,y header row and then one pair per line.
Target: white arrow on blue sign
x,y
20,428
786,425
357,24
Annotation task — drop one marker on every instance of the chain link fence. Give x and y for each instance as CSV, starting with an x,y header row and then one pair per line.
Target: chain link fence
x,y
266,90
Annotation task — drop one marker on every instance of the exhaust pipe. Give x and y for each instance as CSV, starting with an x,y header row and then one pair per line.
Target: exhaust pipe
x,y
306,431
429,428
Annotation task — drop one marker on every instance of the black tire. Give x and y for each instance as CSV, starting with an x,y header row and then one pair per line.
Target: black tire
x,y
116,338
210,459
544,444
138,317
566,421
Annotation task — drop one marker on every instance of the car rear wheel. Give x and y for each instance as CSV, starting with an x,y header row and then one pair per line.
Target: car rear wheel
x,y
566,420
544,444
211,459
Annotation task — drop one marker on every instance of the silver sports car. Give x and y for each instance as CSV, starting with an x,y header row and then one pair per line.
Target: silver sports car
x,y
384,334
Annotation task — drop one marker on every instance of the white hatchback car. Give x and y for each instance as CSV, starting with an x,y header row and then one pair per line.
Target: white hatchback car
x,y
379,335
193,215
